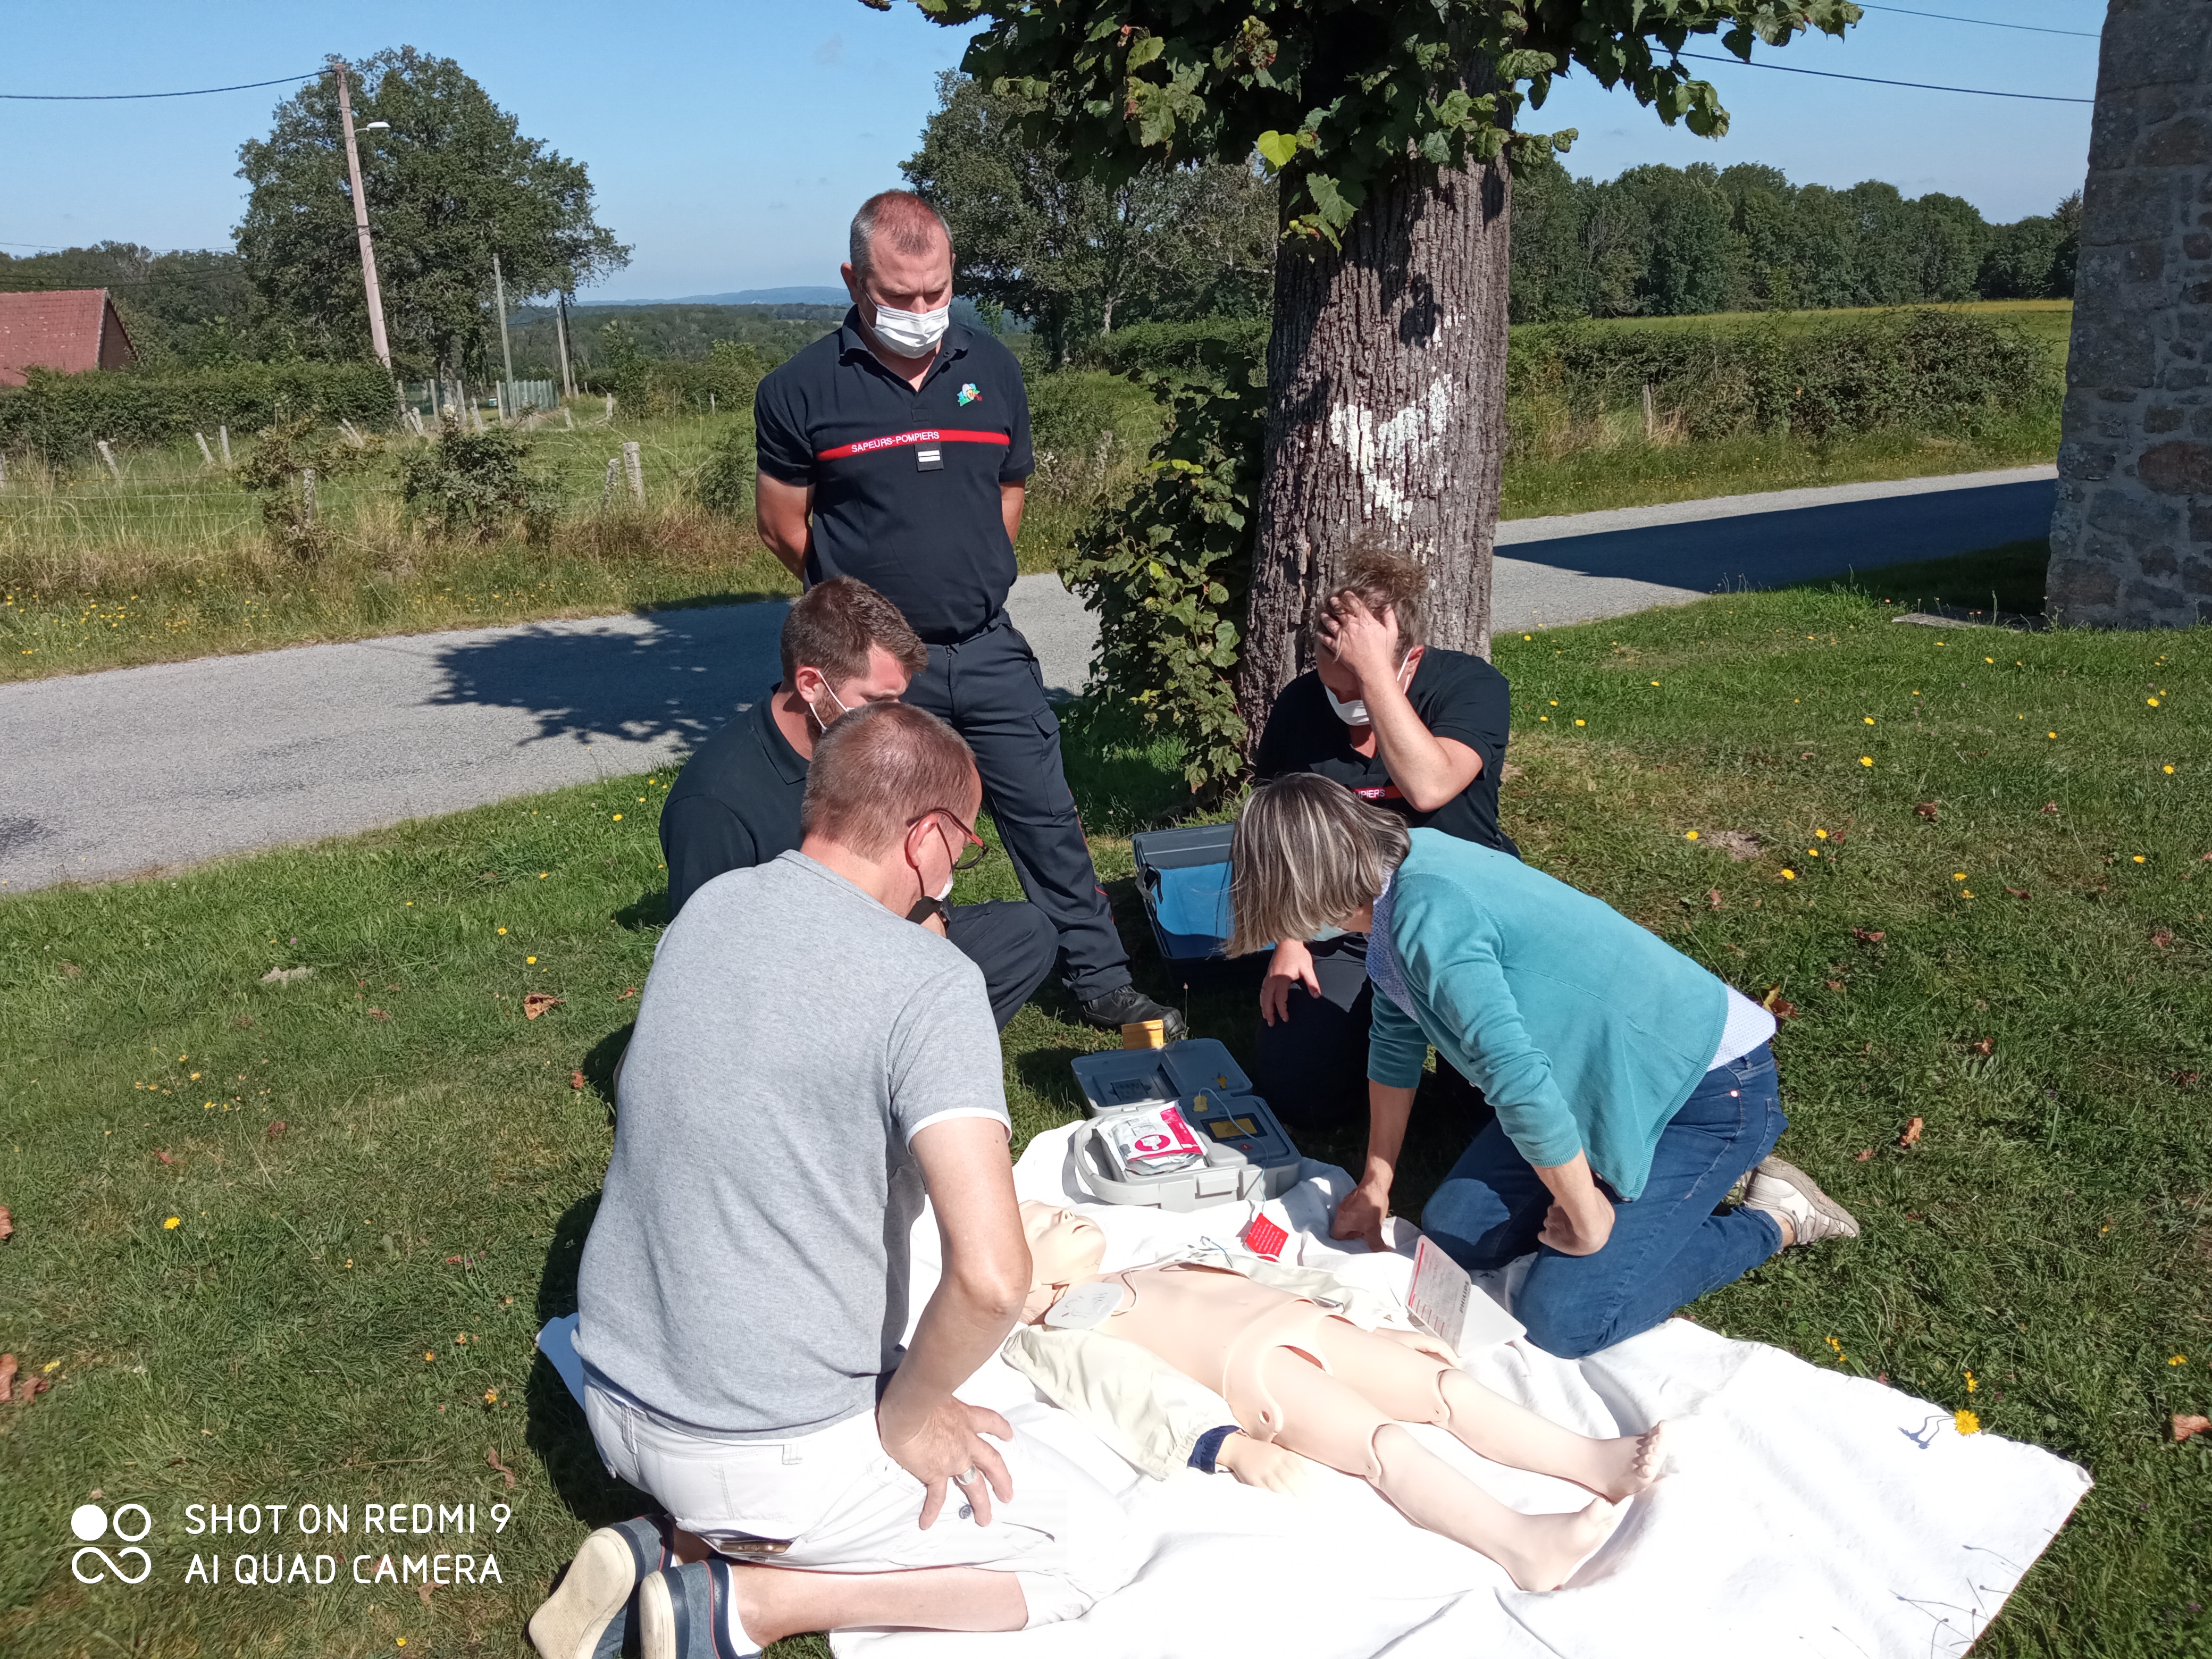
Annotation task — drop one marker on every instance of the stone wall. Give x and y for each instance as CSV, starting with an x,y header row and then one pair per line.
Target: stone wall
x,y
2131,536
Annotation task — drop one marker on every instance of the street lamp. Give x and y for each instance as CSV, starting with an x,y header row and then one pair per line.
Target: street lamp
x,y
361,219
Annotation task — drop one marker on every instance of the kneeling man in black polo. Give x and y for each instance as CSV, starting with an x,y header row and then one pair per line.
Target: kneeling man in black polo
x,y
896,450
736,804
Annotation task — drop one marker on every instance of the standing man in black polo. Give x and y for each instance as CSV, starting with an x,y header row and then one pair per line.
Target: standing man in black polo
x,y
896,449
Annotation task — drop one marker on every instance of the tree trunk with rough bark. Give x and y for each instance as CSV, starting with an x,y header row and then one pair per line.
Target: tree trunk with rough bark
x,y
1385,375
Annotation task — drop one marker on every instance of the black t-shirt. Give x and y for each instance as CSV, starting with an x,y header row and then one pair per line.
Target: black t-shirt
x,y
735,803
1455,695
906,483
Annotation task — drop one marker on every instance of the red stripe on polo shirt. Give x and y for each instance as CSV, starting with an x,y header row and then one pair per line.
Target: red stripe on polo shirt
x,y
928,435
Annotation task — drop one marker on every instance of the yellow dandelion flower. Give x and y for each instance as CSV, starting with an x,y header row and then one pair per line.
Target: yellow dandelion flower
x,y
617,817
171,1223
2153,701
2169,771
491,1396
1655,682
1866,760
1789,875
1970,1384
530,958
1555,702
1579,722
1966,892
1528,636
1957,875
2139,858
1988,660
542,875
195,1077
502,930
1868,719
429,1355
2049,734
2178,1360
1820,835
1965,1422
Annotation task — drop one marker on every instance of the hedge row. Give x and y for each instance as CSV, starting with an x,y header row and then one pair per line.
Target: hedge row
x,y
60,418
1161,347
1917,370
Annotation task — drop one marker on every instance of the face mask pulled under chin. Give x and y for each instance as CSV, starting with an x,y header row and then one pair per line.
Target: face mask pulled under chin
x,y
1352,711
912,333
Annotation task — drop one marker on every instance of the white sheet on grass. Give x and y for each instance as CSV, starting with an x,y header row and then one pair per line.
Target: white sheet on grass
x,y
1810,1512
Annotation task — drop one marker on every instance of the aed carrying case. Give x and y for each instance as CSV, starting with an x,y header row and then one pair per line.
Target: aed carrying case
x,y
1243,1151
1183,874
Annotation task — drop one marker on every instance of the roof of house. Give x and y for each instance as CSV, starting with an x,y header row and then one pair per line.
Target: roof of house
x,y
71,329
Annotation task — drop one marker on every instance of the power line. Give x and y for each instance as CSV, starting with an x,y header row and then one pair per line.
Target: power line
x,y
1876,80
1987,23
114,97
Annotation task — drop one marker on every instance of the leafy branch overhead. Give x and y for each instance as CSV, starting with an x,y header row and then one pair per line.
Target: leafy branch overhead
x,y
1334,95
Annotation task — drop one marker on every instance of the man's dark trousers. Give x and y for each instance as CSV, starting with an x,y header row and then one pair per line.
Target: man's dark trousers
x,y
989,689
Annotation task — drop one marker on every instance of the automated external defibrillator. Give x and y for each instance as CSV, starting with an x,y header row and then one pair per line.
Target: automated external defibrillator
x,y
1177,1127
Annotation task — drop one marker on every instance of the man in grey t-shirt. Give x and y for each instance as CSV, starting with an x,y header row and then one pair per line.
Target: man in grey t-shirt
x,y
808,1063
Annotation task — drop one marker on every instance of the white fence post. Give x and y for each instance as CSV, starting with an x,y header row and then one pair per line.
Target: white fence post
x,y
607,496
206,454
636,465
223,432
108,455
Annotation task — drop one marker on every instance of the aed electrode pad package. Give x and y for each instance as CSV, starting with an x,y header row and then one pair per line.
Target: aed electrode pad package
x,y
1179,1128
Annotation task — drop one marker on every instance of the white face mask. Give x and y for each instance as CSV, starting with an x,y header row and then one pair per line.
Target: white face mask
x,y
1354,713
834,698
912,333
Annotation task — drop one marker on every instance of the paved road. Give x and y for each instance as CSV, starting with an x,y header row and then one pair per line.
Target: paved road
x,y
138,769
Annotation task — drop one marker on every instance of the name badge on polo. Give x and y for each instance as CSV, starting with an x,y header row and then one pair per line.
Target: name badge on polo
x,y
929,458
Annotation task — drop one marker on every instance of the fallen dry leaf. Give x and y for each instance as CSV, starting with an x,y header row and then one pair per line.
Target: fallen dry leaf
x,y
2051,806
7,1376
33,1386
286,976
2192,1424
1777,1005
1863,1156
1911,1135
70,970
1835,985
2020,892
1926,809
164,1157
276,1130
7,1223
378,1013
628,992
2161,939
491,1456
1865,936
1986,1046
576,1079
2184,1079
535,1003
422,1592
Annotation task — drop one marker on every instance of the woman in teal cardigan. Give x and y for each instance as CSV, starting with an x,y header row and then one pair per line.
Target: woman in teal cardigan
x,y
1633,1089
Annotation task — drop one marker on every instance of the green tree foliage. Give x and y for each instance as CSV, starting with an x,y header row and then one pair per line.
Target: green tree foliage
x,y
1663,241
1336,94
1168,571
685,332
187,309
452,183
474,484
1075,256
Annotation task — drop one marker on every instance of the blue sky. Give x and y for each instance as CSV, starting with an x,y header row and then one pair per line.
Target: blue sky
x,y
730,141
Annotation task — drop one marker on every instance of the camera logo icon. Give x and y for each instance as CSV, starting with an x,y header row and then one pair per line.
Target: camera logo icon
x,y
91,1523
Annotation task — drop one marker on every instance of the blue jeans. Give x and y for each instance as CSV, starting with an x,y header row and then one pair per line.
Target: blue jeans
x,y
1669,1246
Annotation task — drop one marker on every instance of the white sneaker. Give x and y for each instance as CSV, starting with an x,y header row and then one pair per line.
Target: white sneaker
x,y
1781,1189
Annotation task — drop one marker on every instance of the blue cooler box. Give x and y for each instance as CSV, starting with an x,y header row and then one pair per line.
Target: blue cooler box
x,y
1183,875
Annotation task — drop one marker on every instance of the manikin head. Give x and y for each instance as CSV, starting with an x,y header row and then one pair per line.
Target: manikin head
x,y
1393,586
1065,1248
901,263
891,799
1309,856
846,645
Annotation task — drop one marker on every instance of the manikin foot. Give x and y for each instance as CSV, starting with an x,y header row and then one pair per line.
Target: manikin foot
x,y
1627,1466
1552,1546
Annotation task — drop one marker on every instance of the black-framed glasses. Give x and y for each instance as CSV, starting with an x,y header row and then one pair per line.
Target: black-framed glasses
x,y
978,850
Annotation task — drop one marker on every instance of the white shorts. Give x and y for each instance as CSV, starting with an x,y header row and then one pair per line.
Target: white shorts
x,y
835,1502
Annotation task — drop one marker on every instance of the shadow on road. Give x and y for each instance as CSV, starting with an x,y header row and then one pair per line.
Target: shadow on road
x,y
1770,549
658,674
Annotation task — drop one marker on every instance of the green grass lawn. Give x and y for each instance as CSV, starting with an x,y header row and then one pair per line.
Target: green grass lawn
x,y
2002,933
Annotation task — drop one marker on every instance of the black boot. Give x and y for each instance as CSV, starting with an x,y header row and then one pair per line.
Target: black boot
x,y
1115,1009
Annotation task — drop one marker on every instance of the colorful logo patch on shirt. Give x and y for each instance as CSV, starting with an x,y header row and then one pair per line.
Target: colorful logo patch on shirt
x,y
969,394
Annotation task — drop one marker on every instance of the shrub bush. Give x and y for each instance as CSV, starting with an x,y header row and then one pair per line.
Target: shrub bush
x,y
1920,370
724,484
674,386
473,484
1169,571
276,474
59,418
1162,346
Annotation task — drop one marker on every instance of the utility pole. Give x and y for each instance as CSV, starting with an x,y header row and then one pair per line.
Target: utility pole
x,y
561,334
506,353
361,222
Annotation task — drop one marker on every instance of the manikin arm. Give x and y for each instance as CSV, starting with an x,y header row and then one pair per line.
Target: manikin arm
x,y
1148,1411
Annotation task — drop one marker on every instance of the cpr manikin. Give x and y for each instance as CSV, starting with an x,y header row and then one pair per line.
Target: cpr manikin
x,y
1301,1382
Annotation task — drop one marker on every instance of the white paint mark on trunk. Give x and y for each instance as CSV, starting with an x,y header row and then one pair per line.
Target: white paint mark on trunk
x,y
1380,450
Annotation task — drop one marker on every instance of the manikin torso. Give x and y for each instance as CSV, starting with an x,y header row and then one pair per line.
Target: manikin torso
x,y
1197,1318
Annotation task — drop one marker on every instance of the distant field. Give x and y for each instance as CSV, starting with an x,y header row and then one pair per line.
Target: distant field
x,y
2049,320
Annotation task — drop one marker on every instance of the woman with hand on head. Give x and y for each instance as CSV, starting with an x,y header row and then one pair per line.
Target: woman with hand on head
x,y
1413,729
1633,1089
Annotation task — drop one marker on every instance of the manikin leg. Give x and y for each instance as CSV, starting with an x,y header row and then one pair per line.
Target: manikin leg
x,y
1411,1387
1326,1420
